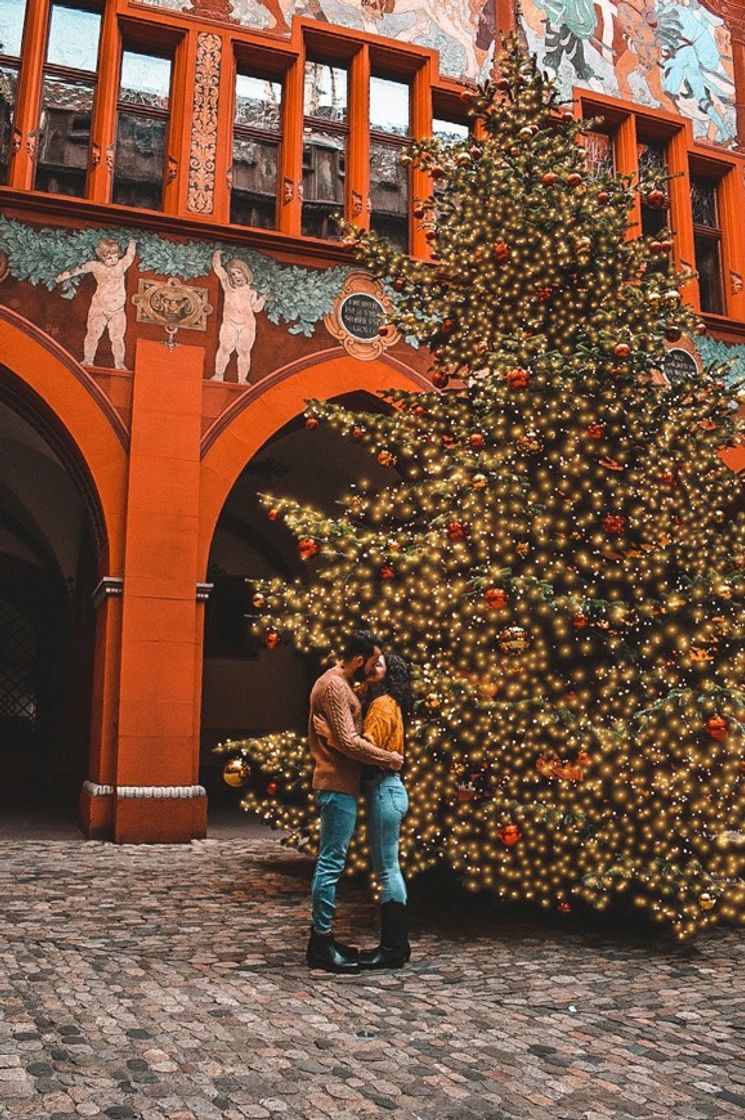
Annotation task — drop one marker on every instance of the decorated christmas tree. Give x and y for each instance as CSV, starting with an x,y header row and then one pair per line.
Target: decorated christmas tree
x,y
560,552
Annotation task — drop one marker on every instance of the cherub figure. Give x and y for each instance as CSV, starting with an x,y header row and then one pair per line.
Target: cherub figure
x,y
106,311
240,305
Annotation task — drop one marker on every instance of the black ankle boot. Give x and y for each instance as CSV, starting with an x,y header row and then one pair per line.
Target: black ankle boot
x,y
323,952
394,949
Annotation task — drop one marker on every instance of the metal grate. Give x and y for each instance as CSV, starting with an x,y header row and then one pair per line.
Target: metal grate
x,y
18,656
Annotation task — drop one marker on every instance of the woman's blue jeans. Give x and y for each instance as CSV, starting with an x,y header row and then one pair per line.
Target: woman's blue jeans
x,y
387,805
338,818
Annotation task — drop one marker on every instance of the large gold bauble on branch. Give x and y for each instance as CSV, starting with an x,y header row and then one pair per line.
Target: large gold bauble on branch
x,y
707,901
514,639
236,772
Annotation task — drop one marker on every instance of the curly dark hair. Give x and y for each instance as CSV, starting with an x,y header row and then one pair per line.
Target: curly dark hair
x,y
396,683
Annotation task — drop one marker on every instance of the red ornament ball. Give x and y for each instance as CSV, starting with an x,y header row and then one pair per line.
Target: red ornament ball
x,y
496,598
510,835
387,572
272,788
574,180
307,548
595,431
448,326
273,514
440,380
549,178
476,440
564,908
622,350
271,639
311,423
501,252
717,728
657,199
399,283
615,524
357,433
518,378
580,621
603,197
456,531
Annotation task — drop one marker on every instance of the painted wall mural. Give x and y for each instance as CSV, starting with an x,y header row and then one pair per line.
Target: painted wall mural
x,y
463,31
669,54
97,290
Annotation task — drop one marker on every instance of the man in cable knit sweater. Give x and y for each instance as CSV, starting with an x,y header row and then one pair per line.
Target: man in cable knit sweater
x,y
336,782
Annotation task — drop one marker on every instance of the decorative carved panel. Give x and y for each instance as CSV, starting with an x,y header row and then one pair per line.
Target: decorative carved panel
x,y
201,198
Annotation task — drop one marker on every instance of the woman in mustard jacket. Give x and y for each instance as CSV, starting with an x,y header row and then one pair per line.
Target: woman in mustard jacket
x,y
389,708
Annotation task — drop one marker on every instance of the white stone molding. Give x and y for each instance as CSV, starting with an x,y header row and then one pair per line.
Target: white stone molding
x,y
154,792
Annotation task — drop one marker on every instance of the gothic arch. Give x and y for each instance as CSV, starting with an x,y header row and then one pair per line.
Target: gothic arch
x,y
42,382
260,412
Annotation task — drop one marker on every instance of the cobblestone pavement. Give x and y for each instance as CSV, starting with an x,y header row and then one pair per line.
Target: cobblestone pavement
x,y
167,982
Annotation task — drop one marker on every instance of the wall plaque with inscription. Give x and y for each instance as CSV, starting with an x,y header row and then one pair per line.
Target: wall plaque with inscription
x,y
362,315
679,364
359,317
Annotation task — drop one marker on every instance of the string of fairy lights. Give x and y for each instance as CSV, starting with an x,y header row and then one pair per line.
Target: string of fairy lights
x,y
560,552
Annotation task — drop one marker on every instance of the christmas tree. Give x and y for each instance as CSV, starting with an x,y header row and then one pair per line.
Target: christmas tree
x,y
560,552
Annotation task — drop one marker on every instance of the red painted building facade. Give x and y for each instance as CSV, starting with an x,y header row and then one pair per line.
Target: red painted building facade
x,y
172,290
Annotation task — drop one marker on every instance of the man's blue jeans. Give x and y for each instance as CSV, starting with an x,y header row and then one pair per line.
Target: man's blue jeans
x,y
387,805
338,818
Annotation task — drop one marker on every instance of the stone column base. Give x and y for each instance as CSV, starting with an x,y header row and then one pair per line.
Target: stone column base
x,y
143,814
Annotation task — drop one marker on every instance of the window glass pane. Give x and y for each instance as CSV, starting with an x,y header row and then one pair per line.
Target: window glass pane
x,y
258,103
389,194
146,79
652,159
325,92
65,133
11,26
389,106
253,198
324,158
709,268
73,38
652,155
450,132
8,83
599,157
140,156
704,203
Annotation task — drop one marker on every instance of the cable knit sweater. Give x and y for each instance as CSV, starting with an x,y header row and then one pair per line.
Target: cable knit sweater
x,y
339,767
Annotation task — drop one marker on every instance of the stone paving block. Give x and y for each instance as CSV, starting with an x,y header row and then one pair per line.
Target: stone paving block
x,y
167,983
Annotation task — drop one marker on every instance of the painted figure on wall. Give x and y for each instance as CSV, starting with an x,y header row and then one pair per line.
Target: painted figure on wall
x,y
241,302
691,60
671,54
107,307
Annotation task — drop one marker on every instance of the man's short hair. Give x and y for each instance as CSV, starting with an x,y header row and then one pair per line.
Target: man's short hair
x,y
360,643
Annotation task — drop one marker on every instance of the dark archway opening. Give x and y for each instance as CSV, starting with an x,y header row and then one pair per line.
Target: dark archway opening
x,y
248,690
49,544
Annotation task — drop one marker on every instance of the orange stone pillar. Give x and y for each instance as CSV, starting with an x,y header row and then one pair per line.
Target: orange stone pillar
x,y
155,796
97,794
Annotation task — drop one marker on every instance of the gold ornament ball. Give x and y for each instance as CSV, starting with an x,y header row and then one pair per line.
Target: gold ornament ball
x,y
236,772
479,482
433,700
707,901
513,639
258,599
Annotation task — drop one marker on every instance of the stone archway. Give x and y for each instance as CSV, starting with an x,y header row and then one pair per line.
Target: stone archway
x,y
265,446
61,518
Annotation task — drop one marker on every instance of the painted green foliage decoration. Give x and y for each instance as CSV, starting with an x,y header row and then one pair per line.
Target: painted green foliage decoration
x,y
300,296
729,355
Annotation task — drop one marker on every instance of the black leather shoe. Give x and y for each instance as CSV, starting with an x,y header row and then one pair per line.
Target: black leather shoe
x,y
323,952
394,950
